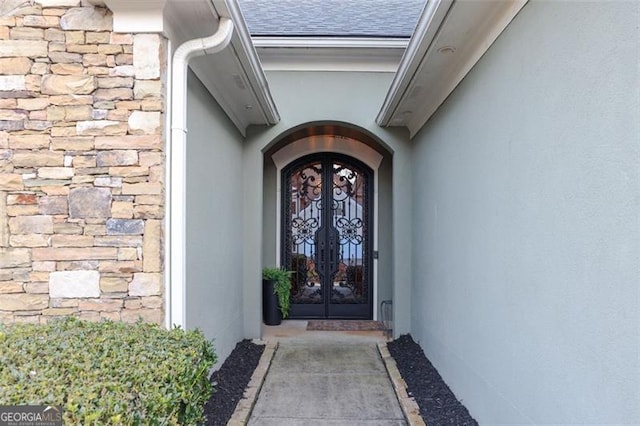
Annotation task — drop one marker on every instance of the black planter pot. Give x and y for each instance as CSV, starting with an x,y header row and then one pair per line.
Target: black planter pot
x,y
270,309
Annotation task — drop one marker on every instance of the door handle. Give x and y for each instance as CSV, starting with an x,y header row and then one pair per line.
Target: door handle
x,y
320,258
333,252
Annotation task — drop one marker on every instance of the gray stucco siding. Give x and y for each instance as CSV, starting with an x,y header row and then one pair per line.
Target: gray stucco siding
x,y
526,222
214,221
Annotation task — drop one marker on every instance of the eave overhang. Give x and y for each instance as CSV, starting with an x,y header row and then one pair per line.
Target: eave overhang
x,y
234,76
450,37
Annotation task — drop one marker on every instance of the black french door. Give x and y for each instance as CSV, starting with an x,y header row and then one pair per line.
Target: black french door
x,y
327,242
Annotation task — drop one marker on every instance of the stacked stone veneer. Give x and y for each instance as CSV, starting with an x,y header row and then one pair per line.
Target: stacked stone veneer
x,y
81,165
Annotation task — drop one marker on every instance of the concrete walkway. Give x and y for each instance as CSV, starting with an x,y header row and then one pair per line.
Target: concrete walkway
x,y
327,378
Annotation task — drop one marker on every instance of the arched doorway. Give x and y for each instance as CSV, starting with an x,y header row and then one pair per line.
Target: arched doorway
x,y
341,141
327,240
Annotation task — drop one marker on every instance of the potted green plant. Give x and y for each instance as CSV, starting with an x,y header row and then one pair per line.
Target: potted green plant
x,y
276,289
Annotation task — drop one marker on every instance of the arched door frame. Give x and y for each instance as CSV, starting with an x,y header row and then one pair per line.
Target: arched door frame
x,y
337,144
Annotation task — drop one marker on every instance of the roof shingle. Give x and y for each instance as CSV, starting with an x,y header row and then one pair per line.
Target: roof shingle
x,y
331,18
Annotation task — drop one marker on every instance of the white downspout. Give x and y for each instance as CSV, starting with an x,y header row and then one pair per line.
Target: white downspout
x,y
176,157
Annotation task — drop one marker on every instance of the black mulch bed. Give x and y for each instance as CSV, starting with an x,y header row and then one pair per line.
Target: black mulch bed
x,y
438,405
230,381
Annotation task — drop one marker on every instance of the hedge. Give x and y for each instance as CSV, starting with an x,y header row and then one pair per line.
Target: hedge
x,y
107,372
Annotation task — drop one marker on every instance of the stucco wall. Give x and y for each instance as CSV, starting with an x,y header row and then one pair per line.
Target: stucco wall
x,y
385,237
269,213
526,222
326,97
214,221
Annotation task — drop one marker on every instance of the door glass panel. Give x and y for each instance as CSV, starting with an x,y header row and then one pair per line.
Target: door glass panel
x,y
305,214
348,212
326,240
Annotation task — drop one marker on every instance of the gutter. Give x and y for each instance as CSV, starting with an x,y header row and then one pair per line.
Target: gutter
x,y
426,30
175,286
248,58
425,79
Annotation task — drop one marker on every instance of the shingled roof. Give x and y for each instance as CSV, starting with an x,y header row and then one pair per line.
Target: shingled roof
x,y
331,18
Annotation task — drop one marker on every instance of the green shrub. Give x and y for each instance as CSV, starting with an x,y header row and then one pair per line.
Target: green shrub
x,y
281,287
107,372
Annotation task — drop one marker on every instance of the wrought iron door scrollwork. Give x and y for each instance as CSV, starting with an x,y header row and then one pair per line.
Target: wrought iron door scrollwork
x,y
304,230
349,230
326,218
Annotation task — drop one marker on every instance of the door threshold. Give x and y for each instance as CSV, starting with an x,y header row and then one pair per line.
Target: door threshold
x,y
294,330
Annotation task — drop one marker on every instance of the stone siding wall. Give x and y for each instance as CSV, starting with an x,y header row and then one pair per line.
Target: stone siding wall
x,y
81,165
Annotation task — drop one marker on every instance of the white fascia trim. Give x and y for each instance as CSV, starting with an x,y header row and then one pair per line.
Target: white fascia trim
x,y
426,30
330,59
331,42
248,59
480,44
330,53
176,158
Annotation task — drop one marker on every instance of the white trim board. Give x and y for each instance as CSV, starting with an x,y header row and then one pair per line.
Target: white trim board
x,y
329,54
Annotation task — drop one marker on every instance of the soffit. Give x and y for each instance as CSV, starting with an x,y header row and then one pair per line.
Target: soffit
x,y
233,76
451,36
